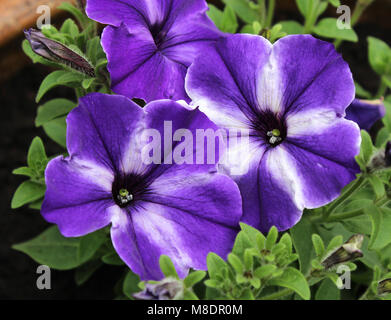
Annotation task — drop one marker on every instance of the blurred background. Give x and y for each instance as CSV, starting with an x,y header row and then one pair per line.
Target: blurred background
x,y
19,81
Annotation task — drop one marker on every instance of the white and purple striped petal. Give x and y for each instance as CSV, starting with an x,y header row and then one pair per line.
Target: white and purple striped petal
x,y
150,44
292,98
154,208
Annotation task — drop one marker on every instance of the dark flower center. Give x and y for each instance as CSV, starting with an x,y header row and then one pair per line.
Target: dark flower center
x,y
158,34
270,127
126,189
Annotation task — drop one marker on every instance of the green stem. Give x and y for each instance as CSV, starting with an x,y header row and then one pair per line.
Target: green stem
x,y
310,19
270,13
357,12
346,195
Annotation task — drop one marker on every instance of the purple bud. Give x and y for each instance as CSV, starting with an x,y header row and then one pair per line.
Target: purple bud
x,y
365,112
349,251
57,52
167,289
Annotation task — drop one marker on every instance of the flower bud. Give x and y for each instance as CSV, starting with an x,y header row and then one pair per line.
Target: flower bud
x,y
384,286
349,251
166,289
57,52
382,159
365,112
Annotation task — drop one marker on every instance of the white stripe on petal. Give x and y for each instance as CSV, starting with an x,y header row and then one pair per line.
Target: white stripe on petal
x,y
269,87
219,114
132,156
161,231
282,168
310,122
98,175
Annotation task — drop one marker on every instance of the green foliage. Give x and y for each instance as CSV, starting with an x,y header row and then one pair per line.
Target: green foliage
x,y
58,252
225,20
327,28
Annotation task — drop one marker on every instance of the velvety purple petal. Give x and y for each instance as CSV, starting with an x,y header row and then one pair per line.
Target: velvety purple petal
x,y
77,196
365,112
185,126
138,70
104,129
114,12
268,193
186,217
305,73
222,81
148,12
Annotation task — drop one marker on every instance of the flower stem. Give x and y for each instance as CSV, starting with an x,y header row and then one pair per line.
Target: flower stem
x,y
311,17
357,184
270,13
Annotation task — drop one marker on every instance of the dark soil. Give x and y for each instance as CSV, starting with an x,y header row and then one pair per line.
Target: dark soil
x,y
18,109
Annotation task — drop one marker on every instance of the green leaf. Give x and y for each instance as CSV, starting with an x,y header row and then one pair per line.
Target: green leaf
x,y
265,271
215,265
377,185
291,27
318,244
334,243
54,250
85,271
112,258
86,83
70,27
24,171
294,280
57,78
382,136
301,237
335,3
379,54
53,109
130,285
381,226
36,157
27,192
271,238
244,10
236,263
366,147
225,20
56,130
167,267
229,23
194,277
328,291
327,28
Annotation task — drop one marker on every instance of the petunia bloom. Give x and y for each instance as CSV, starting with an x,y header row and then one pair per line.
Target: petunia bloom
x,y
291,98
151,43
365,112
153,209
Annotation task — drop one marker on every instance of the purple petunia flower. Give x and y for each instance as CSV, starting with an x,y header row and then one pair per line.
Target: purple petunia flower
x,y
155,209
292,97
150,44
365,112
